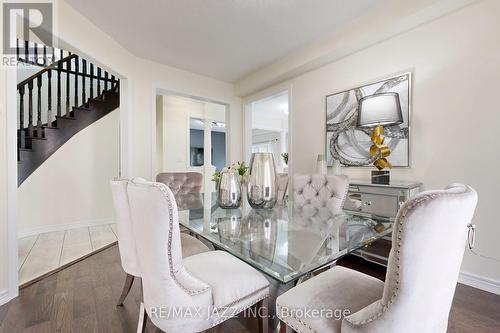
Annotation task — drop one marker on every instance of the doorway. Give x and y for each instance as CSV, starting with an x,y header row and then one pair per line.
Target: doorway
x,y
190,136
267,128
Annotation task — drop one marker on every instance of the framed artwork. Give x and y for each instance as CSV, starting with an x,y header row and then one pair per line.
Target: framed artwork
x,y
348,144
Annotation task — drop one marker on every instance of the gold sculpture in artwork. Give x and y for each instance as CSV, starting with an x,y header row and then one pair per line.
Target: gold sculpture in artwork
x,y
379,148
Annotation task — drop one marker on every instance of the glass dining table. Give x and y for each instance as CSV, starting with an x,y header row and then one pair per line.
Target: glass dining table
x,y
287,242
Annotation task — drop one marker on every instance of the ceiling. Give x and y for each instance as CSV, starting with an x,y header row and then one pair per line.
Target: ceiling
x,y
223,39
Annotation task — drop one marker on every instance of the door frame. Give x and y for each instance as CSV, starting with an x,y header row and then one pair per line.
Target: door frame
x,y
247,122
161,90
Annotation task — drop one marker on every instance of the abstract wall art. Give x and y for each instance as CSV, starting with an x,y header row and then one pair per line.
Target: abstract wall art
x,y
348,144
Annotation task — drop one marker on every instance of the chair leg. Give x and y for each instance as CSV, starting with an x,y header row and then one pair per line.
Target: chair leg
x,y
143,318
284,328
262,316
126,289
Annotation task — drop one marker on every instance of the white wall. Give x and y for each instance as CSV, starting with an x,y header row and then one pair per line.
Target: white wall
x,y
8,165
140,81
143,78
456,66
72,186
175,138
3,184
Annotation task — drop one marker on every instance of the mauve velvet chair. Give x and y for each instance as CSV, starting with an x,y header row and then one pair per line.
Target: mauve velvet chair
x,y
181,183
428,238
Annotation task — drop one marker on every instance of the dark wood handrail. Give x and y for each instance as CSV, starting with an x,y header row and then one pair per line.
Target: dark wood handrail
x,y
46,69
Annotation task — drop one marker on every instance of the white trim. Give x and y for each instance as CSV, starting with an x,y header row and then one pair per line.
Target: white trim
x,y
4,296
479,282
12,183
61,227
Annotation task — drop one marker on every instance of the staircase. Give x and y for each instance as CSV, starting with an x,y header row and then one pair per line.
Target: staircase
x,y
57,102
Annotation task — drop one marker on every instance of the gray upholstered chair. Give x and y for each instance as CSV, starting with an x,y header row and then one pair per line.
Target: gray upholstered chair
x,y
320,191
429,237
181,183
282,185
126,241
213,285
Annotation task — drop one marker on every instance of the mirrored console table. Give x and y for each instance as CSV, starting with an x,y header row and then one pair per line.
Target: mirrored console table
x,y
383,201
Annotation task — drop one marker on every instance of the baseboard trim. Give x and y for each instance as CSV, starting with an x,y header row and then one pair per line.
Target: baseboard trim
x,y
61,227
479,282
4,297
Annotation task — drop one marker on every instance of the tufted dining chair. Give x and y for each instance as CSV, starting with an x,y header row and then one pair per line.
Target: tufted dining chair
x,y
429,237
126,241
213,286
181,183
320,191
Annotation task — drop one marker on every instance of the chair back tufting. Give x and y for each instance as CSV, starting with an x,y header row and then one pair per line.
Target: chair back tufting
x,y
320,191
181,183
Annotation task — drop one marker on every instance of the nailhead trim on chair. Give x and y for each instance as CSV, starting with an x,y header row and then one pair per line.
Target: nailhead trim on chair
x,y
173,273
407,209
278,307
242,309
240,299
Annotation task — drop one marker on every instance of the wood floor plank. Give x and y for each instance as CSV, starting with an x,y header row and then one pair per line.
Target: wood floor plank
x,y
82,298
45,327
87,324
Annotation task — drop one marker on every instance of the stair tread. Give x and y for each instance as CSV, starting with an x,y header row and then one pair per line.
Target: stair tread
x,y
82,108
35,138
98,106
66,117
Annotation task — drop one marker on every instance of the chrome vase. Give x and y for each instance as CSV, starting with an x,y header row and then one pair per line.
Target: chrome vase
x,y
229,190
261,188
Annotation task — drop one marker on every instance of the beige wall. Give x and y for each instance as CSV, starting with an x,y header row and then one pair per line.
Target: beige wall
x,y
456,65
72,186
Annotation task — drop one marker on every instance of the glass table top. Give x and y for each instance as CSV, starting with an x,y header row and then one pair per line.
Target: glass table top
x,y
285,242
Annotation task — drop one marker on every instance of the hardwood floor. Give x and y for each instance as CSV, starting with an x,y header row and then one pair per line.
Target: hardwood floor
x,y
82,298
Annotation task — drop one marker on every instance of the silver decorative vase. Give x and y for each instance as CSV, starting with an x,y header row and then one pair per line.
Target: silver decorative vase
x,y
229,190
261,189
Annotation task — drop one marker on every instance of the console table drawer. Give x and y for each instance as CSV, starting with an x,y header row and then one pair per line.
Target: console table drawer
x,y
383,205
377,204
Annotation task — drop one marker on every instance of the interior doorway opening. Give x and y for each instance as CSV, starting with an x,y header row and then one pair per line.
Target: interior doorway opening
x,y
267,127
190,136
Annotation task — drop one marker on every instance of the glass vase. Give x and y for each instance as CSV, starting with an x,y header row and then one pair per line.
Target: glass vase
x,y
229,190
261,188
